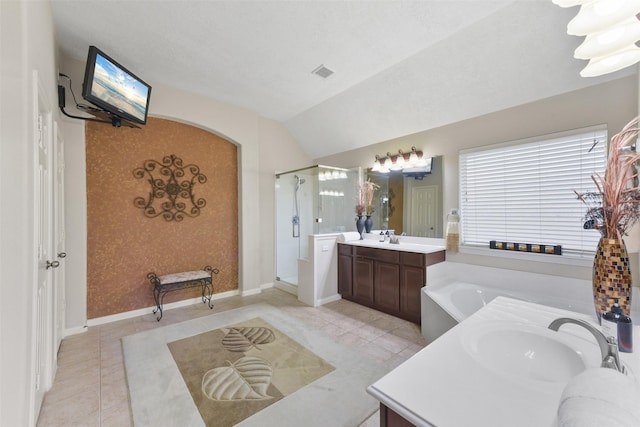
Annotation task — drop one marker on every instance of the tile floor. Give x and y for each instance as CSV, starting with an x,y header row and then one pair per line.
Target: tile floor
x,y
90,387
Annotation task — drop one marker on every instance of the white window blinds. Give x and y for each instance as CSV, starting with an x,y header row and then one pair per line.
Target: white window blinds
x,y
524,191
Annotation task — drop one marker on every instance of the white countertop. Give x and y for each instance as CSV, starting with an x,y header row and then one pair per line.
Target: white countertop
x,y
444,386
402,246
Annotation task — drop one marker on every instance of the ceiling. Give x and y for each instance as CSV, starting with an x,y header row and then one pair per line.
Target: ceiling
x,y
400,67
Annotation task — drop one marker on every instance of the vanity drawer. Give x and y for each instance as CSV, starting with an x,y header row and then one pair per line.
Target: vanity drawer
x,y
344,249
412,258
383,255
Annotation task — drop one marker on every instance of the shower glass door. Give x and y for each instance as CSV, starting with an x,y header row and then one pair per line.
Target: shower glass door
x,y
294,221
314,200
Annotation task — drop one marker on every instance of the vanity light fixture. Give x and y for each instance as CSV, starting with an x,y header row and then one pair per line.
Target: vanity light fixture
x,y
612,30
412,164
331,175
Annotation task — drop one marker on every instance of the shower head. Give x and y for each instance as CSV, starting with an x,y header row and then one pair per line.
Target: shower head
x,y
299,181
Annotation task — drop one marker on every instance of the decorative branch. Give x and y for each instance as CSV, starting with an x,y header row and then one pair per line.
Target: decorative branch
x,y
365,197
615,207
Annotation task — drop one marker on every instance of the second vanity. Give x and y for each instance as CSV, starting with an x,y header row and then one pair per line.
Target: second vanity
x,y
384,276
502,366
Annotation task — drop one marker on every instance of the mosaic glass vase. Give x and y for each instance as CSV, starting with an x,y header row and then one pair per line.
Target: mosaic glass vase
x,y
611,277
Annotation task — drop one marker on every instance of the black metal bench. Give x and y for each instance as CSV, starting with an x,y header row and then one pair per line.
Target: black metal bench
x,y
177,281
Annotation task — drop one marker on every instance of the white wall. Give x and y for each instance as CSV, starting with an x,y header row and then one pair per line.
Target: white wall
x,y
263,147
26,43
278,153
613,103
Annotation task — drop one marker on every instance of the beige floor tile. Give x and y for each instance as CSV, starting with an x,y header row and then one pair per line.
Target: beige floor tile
x,y
370,332
113,395
352,340
90,388
410,332
392,343
80,386
372,421
332,330
376,352
80,409
117,416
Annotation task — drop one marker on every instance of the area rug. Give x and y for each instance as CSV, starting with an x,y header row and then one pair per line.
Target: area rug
x,y
236,371
167,379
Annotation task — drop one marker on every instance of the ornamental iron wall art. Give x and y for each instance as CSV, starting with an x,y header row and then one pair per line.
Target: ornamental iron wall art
x,y
171,192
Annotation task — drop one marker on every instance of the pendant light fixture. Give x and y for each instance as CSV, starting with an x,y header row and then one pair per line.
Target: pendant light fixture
x,y
611,28
599,15
617,37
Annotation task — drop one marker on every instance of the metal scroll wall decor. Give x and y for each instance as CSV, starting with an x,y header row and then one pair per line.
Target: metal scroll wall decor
x,y
172,184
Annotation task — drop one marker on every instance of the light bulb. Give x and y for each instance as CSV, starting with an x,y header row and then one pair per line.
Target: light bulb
x,y
413,159
612,62
569,3
599,15
609,40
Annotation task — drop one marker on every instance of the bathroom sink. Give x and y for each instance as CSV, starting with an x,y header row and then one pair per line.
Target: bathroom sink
x,y
526,352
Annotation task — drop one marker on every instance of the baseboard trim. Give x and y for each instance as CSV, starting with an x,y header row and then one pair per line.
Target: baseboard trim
x,y
293,290
75,331
251,292
327,300
144,311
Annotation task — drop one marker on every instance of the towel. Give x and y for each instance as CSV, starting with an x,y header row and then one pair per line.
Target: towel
x,y
348,236
600,397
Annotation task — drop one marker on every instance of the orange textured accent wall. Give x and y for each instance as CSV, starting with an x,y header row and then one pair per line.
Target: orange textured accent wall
x,y
123,245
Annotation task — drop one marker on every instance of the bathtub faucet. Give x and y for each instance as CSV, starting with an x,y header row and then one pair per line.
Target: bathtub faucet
x,y
608,345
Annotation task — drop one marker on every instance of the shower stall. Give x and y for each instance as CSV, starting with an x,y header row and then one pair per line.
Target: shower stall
x,y
314,200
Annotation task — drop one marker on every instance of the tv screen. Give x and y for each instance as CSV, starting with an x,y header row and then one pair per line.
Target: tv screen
x,y
115,89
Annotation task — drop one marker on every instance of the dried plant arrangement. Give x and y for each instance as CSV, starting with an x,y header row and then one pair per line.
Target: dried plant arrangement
x,y
615,207
365,197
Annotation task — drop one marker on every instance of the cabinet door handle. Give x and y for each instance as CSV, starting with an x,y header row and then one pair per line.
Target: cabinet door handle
x,y
62,255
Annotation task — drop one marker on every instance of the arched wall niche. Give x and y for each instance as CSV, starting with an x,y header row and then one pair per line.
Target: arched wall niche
x,y
124,244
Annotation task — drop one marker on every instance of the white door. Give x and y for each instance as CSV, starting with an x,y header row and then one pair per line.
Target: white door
x,y
424,208
43,241
59,303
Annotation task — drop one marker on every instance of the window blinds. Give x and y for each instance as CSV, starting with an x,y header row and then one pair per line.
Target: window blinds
x,y
524,191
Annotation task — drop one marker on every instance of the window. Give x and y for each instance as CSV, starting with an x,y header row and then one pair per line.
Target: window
x,y
523,191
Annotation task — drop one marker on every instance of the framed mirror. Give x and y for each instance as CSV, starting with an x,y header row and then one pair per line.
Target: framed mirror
x,y
409,205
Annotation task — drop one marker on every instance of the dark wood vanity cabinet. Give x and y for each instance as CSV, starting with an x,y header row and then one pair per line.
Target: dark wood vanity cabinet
x,y
385,279
363,280
345,271
389,418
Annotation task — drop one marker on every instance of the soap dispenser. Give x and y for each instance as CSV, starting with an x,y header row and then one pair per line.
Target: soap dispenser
x,y
618,325
381,239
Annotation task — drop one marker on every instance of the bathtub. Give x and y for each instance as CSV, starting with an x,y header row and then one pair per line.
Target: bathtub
x,y
455,291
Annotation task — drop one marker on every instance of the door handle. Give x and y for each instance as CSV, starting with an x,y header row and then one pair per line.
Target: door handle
x,y
54,264
62,255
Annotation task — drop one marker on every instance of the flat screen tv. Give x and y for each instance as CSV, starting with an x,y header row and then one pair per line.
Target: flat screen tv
x,y
115,89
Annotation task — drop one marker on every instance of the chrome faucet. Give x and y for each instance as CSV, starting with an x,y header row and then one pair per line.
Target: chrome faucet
x,y
608,345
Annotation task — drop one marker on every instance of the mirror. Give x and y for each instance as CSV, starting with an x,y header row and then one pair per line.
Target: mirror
x,y
409,205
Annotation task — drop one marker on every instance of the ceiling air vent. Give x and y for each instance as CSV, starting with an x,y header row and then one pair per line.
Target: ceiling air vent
x,y
322,71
